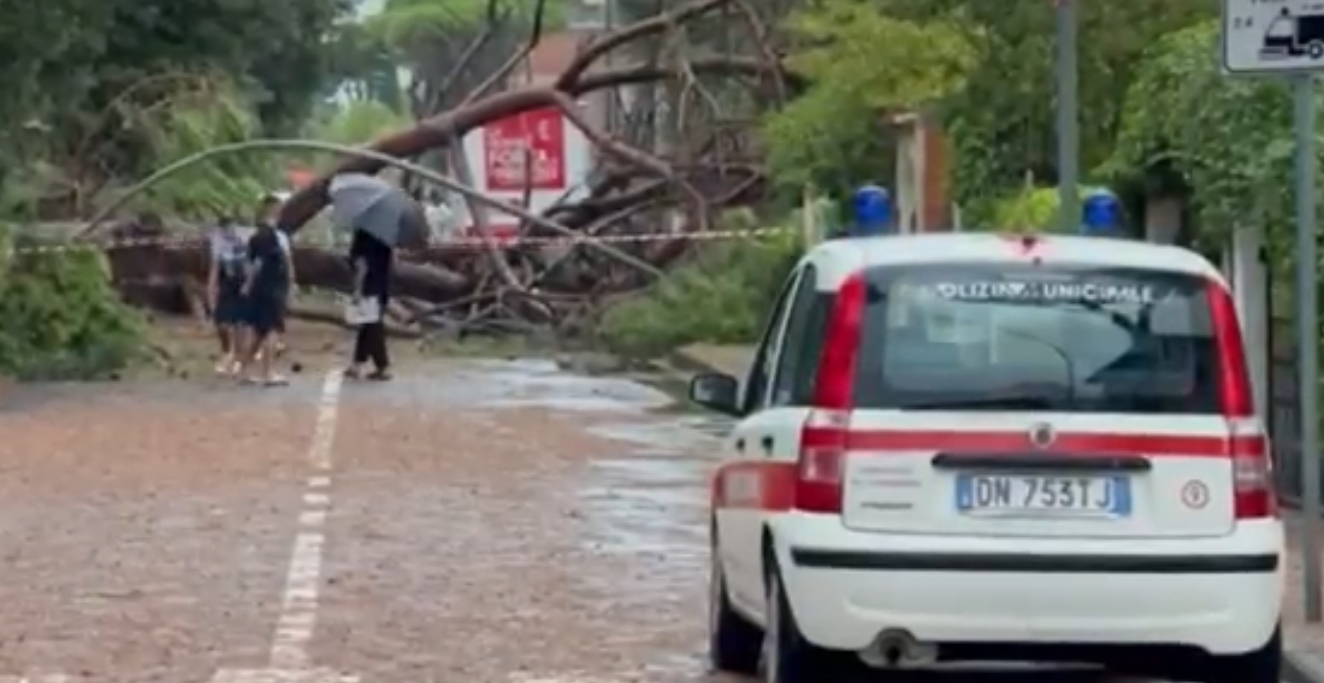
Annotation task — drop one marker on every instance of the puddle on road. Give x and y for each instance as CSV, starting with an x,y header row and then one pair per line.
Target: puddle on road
x,y
651,506
654,499
521,383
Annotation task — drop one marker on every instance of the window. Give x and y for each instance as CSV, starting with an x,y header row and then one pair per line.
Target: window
x,y
762,371
802,344
974,336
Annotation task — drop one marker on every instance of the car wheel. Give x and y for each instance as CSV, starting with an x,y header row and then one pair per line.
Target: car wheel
x,y
1258,666
1315,50
787,656
734,644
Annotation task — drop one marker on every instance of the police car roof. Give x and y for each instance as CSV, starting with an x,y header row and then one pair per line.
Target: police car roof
x,y
837,259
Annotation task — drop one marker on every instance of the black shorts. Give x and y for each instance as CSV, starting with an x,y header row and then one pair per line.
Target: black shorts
x,y
229,308
265,314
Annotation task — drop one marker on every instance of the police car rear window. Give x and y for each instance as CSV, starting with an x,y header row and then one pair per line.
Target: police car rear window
x,y
1075,339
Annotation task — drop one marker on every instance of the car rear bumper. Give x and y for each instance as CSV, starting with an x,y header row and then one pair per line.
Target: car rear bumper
x,y
1222,595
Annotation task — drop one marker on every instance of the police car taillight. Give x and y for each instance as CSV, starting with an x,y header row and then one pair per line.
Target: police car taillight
x,y
825,435
1252,470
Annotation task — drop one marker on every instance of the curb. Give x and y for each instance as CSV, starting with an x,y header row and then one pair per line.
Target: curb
x,y
1297,668
686,363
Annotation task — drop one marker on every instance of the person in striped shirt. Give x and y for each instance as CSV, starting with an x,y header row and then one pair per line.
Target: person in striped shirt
x,y
225,281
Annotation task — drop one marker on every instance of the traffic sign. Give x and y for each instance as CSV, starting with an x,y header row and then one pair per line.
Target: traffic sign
x,y
1273,36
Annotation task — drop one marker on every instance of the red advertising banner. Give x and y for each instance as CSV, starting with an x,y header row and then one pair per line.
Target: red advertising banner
x,y
539,131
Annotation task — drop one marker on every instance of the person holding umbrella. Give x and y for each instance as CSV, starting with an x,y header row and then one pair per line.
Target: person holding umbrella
x,y
383,218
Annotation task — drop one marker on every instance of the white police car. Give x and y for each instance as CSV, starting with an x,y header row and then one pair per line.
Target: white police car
x,y
977,447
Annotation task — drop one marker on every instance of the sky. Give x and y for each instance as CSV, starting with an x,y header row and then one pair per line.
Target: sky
x,y
368,8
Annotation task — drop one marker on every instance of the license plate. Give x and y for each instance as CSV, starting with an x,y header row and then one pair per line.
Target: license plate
x,y
1040,495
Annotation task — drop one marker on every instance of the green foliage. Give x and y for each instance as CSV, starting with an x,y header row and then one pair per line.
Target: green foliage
x,y
1001,124
206,113
60,318
357,123
406,24
721,296
1032,210
1224,142
862,65
68,64
363,67
101,92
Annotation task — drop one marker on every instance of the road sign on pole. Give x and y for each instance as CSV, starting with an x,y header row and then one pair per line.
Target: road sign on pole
x,y
1287,37
1272,37
1307,332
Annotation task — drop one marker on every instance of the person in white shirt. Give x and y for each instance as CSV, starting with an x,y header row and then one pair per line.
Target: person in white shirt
x,y
225,278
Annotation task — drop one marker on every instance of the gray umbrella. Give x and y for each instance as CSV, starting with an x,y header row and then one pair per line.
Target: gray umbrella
x,y
375,206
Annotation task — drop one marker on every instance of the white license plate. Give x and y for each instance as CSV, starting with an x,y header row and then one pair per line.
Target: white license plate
x,y
1036,494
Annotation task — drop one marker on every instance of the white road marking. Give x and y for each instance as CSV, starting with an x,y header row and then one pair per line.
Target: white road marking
x,y
298,614
279,676
36,678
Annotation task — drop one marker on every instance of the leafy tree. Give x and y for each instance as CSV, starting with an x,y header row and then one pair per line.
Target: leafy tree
x,y
61,319
862,67
73,68
97,92
357,123
1223,143
431,37
1001,123
720,296
276,50
363,67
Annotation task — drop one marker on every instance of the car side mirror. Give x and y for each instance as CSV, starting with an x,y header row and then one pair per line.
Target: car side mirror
x,y
716,391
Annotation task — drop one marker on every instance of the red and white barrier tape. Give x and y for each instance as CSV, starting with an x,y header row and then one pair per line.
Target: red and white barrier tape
x,y
467,242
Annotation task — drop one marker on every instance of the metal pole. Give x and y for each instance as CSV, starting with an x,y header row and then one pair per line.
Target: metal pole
x,y
1307,327
1068,133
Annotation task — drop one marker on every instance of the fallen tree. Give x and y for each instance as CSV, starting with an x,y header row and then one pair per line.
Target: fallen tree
x,y
638,213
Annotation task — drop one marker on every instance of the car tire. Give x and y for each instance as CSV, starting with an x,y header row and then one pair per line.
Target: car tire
x,y
1315,50
787,656
1263,665
734,644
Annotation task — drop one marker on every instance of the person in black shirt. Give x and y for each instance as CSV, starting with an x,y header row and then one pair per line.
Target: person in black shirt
x,y
371,260
265,292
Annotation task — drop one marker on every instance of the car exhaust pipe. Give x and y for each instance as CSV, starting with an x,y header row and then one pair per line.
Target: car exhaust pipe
x,y
898,649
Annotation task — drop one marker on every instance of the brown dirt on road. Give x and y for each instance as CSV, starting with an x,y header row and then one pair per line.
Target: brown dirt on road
x,y
457,551
144,536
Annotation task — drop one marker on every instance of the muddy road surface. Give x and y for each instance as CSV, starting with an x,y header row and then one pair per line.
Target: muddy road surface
x,y
475,521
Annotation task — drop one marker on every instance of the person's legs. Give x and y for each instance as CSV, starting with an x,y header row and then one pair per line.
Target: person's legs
x,y
274,344
376,342
266,313
380,358
362,351
278,334
223,338
256,328
228,316
225,334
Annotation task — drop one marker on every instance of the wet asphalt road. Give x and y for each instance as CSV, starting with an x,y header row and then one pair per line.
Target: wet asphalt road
x,y
477,521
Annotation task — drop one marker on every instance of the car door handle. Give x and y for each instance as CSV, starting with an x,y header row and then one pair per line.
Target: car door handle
x,y
740,445
767,444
